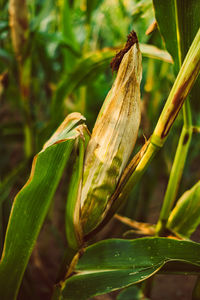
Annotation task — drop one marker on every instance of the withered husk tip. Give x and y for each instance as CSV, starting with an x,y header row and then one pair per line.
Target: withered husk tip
x,y
131,40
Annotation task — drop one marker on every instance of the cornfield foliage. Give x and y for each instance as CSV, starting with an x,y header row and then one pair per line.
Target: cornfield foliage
x,y
98,196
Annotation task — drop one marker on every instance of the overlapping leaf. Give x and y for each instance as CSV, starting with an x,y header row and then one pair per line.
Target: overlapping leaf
x,y
113,264
72,220
32,202
185,216
178,23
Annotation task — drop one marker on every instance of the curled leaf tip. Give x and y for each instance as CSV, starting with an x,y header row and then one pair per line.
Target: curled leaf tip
x,y
131,40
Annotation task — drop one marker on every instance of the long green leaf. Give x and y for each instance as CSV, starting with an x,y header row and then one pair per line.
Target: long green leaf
x,y
72,219
32,203
113,264
178,23
184,26
185,217
178,34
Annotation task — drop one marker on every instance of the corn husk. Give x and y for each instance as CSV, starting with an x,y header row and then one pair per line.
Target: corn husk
x,y
112,141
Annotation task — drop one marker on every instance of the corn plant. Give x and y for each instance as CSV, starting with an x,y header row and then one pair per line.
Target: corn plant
x,y
102,167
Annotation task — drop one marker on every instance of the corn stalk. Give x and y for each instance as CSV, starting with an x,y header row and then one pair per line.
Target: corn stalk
x,y
19,27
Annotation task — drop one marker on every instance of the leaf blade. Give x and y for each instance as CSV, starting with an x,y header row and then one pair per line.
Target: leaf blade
x,y
178,22
72,214
31,205
185,217
113,264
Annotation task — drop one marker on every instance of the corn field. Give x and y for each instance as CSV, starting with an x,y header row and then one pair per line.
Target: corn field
x,y
100,160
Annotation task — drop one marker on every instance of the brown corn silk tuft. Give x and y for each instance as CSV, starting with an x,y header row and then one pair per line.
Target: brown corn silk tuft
x,y
131,40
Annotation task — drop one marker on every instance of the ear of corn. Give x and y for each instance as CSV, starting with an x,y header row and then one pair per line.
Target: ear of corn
x,y
112,141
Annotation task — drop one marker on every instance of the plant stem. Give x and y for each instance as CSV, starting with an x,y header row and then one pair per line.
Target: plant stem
x,y
175,178
67,259
181,152
65,267
19,27
70,260
25,79
182,86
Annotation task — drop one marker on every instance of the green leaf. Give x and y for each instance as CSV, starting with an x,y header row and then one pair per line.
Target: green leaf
x,y
72,219
165,16
32,203
179,22
185,217
6,184
68,33
113,264
156,53
43,14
